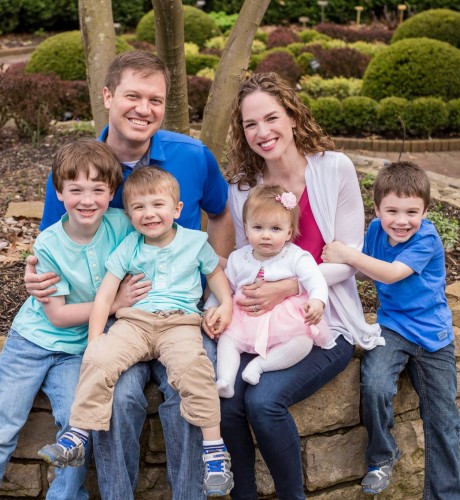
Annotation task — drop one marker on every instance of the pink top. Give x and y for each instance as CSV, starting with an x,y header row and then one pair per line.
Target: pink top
x,y
310,238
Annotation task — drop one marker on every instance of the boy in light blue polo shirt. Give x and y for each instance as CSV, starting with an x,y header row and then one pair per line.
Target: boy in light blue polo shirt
x,y
404,255
45,344
165,325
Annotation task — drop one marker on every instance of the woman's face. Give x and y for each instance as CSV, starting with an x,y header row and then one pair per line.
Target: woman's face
x,y
267,126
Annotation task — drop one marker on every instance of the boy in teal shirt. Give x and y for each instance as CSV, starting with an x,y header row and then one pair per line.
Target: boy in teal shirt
x,y
45,344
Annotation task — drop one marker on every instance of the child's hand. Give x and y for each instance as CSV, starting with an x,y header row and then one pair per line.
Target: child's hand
x,y
216,320
335,252
313,311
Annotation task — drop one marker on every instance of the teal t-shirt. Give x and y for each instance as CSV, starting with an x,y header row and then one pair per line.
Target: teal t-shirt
x,y
174,269
81,268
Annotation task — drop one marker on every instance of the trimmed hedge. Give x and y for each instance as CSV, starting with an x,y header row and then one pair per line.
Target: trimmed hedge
x,y
64,55
328,113
427,115
359,114
316,86
453,108
415,67
197,62
198,26
388,111
440,24
282,63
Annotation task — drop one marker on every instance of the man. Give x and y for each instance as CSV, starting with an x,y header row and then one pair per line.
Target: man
x,y
135,92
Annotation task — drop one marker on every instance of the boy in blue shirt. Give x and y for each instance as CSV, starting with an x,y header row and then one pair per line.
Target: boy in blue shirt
x,y
45,344
404,255
165,325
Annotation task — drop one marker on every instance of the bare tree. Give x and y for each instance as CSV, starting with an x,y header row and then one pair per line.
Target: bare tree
x,y
169,41
98,34
229,74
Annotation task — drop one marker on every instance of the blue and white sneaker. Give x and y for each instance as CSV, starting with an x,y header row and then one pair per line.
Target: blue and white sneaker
x,y
218,478
377,479
68,451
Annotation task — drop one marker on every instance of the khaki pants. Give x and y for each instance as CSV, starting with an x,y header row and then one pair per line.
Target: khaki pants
x,y
141,336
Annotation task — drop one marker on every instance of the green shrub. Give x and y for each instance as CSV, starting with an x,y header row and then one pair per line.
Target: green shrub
x,y
9,16
261,35
309,35
191,49
208,73
216,42
441,24
426,115
296,48
63,54
258,46
305,98
326,43
453,108
359,114
128,12
198,26
340,87
224,21
47,15
197,62
446,227
416,67
371,49
328,113
388,111
304,61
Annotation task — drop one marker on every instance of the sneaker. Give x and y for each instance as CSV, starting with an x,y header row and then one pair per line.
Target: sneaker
x,y
218,478
377,479
68,451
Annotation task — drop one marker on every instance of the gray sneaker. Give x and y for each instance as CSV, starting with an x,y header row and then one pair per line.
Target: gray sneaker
x,y
68,451
377,479
218,478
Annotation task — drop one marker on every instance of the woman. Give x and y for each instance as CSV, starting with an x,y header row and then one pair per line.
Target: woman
x,y
275,140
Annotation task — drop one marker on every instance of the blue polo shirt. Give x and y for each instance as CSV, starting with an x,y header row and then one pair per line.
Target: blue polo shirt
x,y
415,307
202,185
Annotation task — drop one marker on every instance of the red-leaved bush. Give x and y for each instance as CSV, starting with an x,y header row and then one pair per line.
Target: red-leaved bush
x,y
280,37
198,90
366,33
282,63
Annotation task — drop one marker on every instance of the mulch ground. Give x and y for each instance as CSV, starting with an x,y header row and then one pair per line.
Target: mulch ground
x,y
24,169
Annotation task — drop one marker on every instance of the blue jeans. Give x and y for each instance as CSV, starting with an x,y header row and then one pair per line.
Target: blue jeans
x,y
25,368
434,377
264,407
117,451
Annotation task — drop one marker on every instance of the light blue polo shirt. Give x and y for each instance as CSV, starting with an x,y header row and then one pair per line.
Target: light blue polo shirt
x,y
415,307
174,269
81,269
202,185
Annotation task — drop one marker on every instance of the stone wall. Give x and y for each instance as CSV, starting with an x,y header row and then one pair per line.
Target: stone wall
x,y
333,443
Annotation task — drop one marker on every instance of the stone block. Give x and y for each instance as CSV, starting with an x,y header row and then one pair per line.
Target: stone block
x,y
28,209
154,398
339,458
153,479
265,485
21,480
352,492
41,401
335,405
156,445
38,431
406,399
453,290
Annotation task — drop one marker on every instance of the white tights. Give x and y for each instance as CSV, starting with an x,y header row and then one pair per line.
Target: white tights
x,y
278,358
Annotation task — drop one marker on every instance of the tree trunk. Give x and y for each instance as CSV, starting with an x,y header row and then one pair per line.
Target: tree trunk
x,y
229,75
169,41
98,35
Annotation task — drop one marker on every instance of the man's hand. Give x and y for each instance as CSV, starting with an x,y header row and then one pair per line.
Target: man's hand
x,y
314,309
39,286
131,290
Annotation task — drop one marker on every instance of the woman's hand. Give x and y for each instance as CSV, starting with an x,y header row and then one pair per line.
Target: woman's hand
x,y
131,290
263,296
39,286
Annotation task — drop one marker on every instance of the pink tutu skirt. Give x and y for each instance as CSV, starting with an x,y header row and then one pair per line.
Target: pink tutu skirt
x,y
258,334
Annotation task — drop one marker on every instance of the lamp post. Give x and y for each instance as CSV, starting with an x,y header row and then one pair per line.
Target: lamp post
x,y
358,9
304,20
401,9
322,4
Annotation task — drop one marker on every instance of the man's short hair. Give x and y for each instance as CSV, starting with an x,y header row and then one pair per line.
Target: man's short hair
x,y
140,61
405,180
150,180
78,157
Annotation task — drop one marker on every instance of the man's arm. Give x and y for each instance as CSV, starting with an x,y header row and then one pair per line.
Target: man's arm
x,y
221,232
379,270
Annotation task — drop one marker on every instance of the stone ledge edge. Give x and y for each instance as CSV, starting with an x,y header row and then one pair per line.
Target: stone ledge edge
x,y
387,145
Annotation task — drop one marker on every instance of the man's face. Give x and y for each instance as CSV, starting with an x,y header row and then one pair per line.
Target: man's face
x,y
136,107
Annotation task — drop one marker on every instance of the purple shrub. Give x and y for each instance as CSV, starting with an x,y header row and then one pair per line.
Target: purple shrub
x,y
280,37
282,63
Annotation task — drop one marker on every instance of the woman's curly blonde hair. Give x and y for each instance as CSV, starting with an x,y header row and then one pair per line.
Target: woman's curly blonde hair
x,y
244,164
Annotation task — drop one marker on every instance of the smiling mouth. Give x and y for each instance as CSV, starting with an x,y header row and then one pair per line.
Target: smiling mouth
x,y
267,144
401,232
141,123
87,212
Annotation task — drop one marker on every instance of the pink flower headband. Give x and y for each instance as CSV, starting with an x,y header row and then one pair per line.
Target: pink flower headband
x,y
288,200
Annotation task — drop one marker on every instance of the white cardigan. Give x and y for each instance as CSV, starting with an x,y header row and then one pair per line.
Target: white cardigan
x,y
335,200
